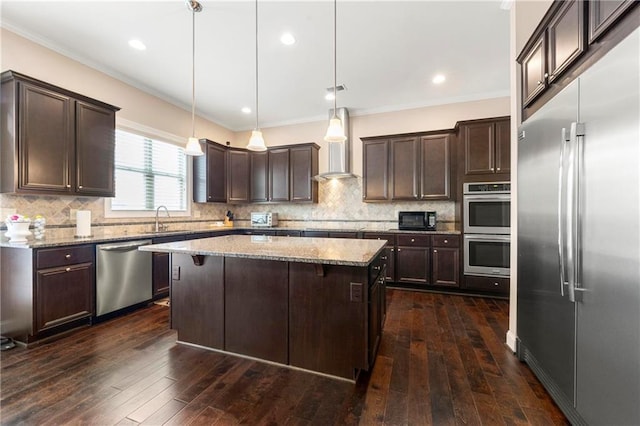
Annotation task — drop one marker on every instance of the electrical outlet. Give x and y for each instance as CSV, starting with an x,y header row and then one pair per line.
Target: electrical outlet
x,y
72,214
356,292
175,273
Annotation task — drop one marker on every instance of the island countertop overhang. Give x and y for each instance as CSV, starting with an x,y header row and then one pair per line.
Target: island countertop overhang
x,y
328,251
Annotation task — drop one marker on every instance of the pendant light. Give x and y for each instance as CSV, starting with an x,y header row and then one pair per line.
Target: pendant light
x,y
193,145
335,131
256,142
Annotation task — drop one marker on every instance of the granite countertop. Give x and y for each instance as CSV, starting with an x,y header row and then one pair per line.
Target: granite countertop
x,y
331,251
111,234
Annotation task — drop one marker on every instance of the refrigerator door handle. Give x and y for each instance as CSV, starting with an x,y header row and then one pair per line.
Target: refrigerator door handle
x,y
561,210
577,137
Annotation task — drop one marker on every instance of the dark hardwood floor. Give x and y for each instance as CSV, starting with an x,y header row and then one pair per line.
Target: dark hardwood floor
x,y
442,361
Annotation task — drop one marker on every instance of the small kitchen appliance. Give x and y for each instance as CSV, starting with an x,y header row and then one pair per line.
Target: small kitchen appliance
x,y
417,221
264,219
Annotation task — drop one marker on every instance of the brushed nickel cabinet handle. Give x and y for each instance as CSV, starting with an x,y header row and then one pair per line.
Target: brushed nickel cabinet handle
x,y
446,241
413,240
68,269
67,256
435,251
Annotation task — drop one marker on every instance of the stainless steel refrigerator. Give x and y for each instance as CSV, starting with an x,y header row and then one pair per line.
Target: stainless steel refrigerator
x,y
579,241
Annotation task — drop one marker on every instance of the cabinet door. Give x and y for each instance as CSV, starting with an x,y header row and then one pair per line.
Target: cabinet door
x,y
63,294
304,166
566,38
446,266
375,157
216,173
160,274
259,170
479,148
604,13
303,187
534,77
46,140
279,174
389,257
412,265
238,176
435,173
95,150
503,146
404,169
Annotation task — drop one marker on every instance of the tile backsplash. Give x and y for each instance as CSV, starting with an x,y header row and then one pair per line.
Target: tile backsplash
x,y
339,203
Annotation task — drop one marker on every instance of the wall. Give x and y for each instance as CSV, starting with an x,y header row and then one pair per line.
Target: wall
x,y
340,202
524,18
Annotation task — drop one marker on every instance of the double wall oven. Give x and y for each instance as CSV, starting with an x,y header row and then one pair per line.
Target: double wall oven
x,y
487,227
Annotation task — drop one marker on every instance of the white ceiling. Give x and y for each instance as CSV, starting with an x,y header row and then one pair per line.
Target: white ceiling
x,y
388,52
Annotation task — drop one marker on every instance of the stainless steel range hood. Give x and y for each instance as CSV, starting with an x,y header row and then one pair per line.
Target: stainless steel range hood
x,y
339,152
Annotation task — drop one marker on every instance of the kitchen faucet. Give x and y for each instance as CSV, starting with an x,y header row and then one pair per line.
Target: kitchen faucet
x,y
158,225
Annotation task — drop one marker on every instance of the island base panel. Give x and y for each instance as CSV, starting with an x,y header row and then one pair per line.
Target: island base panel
x,y
197,300
256,308
328,325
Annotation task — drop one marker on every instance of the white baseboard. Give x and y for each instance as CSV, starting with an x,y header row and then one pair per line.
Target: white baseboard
x,y
511,340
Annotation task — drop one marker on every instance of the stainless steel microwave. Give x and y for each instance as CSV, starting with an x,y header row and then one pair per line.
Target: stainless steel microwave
x,y
264,219
417,221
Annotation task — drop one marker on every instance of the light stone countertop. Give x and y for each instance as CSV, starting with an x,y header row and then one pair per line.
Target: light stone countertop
x,y
330,251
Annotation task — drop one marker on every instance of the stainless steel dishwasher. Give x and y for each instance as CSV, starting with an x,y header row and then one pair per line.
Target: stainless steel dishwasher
x,y
123,275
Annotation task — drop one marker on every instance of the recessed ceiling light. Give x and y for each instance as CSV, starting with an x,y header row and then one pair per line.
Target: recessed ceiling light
x,y
287,39
246,110
339,88
438,79
137,44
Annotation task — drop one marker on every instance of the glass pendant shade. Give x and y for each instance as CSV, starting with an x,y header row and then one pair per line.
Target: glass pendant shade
x,y
256,142
193,147
335,132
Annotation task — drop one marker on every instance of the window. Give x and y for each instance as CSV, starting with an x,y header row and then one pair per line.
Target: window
x,y
148,173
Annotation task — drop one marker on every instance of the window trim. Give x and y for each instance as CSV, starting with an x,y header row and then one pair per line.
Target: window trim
x,y
141,130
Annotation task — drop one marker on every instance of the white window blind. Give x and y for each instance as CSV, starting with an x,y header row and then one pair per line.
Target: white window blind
x,y
149,173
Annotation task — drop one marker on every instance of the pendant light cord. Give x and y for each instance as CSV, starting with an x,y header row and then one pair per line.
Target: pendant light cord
x,y
257,127
335,57
193,72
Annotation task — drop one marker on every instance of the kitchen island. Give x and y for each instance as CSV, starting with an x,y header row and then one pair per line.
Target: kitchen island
x,y
310,303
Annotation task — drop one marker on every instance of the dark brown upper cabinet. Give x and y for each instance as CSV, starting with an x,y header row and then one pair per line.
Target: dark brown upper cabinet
x,y
304,166
566,41
259,167
210,173
487,148
55,141
557,51
534,74
238,176
404,168
435,176
416,166
375,156
279,174
603,14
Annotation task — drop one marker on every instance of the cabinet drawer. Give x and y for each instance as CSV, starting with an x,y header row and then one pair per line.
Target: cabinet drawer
x,y
446,241
49,258
414,240
493,284
391,238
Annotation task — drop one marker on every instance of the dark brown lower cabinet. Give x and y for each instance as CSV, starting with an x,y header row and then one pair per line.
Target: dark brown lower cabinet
x,y
256,314
487,284
161,278
446,266
412,265
445,261
64,294
197,296
328,319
